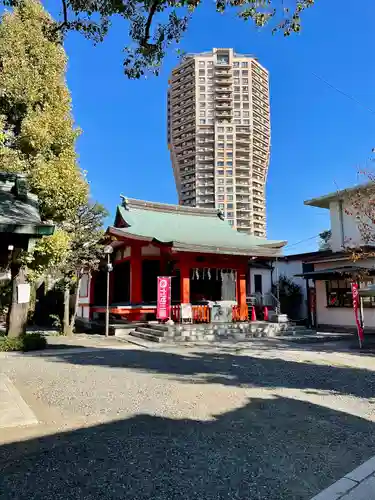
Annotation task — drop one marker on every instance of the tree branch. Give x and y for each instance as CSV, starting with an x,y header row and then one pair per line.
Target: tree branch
x,y
152,12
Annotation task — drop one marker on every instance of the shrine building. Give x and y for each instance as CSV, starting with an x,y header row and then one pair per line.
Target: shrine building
x,y
207,259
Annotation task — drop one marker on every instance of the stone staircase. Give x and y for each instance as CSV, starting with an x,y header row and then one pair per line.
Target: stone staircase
x,y
154,332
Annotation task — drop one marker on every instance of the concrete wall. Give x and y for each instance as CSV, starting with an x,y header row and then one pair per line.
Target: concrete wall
x,y
290,269
339,316
344,226
266,279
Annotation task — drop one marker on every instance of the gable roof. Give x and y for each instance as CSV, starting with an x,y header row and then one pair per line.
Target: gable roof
x,y
325,200
19,209
188,229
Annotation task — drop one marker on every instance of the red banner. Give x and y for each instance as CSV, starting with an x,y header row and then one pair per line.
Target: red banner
x,y
356,307
163,310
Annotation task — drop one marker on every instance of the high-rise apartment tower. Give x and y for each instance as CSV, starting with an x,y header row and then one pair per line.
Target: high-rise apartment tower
x,y
219,135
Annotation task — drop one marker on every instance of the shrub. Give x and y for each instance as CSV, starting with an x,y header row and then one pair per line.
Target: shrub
x,y
27,342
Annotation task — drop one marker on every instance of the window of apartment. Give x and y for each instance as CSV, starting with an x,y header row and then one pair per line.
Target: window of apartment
x,y
201,64
220,145
245,97
220,197
202,88
202,97
220,181
229,137
210,73
230,205
236,64
245,105
210,113
209,63
229,164
246,122
202,113
244,64
230,214
220,164
220,137
201,72
230,144
210,121
237,113
245,80
220,129
229,190
236,121
236,72
202,104
229,172
246,113
220,189
229,181
230,197
245,88
237,97
236,81
237,89
220,172
202,122
220,154
221,206
237,105
229,154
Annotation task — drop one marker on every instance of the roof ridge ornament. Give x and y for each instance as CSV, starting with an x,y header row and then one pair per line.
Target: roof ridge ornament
x,y
220,214
124,202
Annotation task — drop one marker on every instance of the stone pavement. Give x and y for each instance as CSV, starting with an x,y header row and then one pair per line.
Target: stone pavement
x,y
14,412
357,485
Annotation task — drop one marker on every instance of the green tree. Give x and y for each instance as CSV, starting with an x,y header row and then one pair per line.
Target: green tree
x,y
156,25
37,134
83,256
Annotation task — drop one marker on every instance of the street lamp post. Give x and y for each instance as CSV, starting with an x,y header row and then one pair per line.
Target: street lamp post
x,y
107,251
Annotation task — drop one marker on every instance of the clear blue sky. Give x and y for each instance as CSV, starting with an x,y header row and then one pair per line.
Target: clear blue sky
x,y
319,137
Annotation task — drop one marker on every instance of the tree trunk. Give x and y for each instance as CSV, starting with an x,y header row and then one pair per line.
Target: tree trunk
x,y
18,312
73,318
66,322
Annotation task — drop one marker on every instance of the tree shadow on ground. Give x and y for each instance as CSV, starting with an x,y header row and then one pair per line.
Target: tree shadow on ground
x,y
231,370
270,449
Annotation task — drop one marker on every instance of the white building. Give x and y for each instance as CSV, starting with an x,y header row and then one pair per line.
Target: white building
x,y
332,271
219,135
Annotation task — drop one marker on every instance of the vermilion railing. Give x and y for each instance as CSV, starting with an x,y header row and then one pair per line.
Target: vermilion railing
x,y
176,313
201,314
240,313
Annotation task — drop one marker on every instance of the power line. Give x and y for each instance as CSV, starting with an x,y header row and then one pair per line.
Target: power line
x,y
302,241
344,93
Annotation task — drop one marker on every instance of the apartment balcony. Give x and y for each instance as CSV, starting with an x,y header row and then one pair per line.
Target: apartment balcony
x,y
242,138
223,82
205,159
223,97
224,114
222,64
204,175
221,73
205,192
220,90
241,158
243,147
223,105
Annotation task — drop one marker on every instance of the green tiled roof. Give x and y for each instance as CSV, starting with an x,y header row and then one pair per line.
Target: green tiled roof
x,y
189,228
19,212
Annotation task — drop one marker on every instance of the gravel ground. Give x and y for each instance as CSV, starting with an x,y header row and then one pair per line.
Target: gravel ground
x,y
263,423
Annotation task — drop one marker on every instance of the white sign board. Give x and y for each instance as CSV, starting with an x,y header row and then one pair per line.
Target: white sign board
x,y
186,312
23,293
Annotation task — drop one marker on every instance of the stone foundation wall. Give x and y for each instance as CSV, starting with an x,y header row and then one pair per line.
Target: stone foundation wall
x,y
222,331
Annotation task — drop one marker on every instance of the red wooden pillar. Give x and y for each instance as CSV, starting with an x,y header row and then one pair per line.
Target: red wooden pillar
x,y
185,282
241,288
135,275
